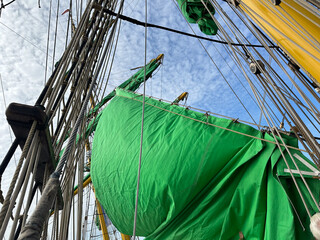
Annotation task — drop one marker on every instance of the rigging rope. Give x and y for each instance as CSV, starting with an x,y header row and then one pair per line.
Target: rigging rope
x,y
227,129
23,38
292,114
55,35
248,9
224,78
4,5
48,38
66,162
142,120
7,207
286,147
134,21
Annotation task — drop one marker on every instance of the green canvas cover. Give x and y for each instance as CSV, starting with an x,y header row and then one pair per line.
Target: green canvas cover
x,y
195,12
198,181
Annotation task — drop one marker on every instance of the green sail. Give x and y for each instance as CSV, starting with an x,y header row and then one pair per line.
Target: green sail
x,y
195,12
199,180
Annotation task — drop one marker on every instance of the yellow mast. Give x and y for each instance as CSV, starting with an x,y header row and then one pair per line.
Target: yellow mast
x,y
293,27
102,221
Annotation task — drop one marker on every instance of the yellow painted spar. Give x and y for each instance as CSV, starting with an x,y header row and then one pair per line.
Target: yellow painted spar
x,y
125,237
85,183
102,221
294,28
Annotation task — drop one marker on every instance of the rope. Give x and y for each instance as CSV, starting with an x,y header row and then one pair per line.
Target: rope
x,y
142,121
134,21
220,71
23,38
197,120
6,203
4,5
286,162
48,38
224,78
81,114
55,35
248,9
80,76
80,88
282,97
248,57
84,87
284,100
32,164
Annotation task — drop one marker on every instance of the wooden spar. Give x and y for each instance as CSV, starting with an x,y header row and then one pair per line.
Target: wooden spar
x,y
102,220
294,28
181,97
125,237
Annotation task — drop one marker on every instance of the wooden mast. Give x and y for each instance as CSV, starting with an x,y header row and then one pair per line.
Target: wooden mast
x,y
293,27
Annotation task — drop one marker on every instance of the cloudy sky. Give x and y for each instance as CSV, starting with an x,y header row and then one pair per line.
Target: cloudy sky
x,y
186,67
23,43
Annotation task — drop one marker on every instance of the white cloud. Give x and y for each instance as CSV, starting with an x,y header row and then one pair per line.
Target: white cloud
x,y
186,66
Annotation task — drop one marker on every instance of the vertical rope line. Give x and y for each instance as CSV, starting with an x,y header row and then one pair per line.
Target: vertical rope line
x,y
6,203
292,111
48,38
33,163
312,143
218,69
55,35
69,25
257,35
142,120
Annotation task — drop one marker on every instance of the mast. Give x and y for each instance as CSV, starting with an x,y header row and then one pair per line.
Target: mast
x,y
293,27
62,112
56,130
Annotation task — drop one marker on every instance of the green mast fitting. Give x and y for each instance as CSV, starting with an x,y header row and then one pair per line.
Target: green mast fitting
x,y
133,83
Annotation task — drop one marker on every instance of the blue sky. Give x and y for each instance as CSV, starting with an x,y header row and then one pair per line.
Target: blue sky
x,y
187,67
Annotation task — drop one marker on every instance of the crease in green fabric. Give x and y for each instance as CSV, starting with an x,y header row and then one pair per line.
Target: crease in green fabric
x,y
197,181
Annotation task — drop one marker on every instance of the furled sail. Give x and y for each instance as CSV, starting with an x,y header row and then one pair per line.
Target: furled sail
x,y
195,12
202,177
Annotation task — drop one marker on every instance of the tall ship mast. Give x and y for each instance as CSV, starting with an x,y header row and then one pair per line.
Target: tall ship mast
x,y
116,160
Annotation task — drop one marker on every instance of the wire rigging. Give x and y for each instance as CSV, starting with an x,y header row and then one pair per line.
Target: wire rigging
x,y
134,21
142,121
34,45
223,76
4,5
